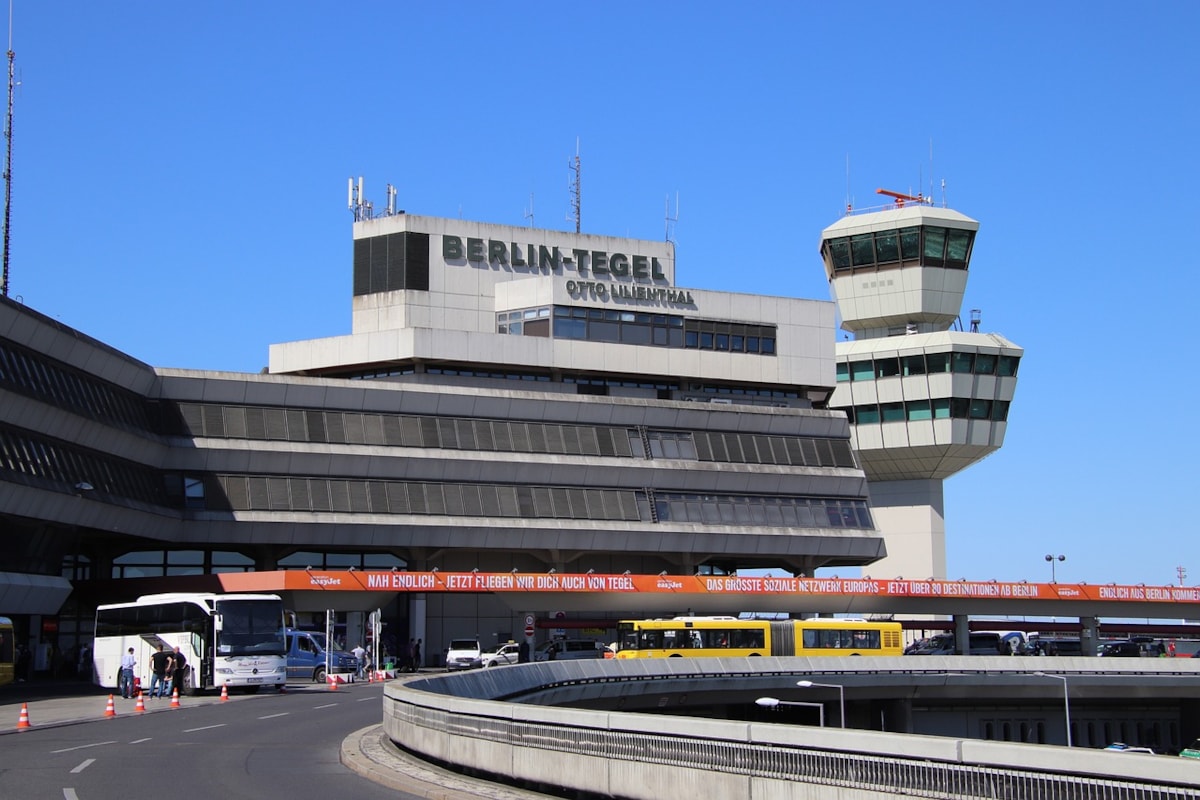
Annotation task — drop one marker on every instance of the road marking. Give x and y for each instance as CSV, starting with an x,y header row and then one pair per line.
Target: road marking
x,y
87,762
69,794
367,699
205,728
273,716
327,705
139,741
82,747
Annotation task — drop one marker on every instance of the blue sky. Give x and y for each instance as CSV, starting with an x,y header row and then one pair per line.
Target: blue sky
x,y
180,173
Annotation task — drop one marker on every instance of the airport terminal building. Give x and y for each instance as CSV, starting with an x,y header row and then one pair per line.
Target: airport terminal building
x,y
508,399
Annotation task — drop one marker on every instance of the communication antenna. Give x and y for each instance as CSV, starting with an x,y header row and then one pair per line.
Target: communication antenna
x,y
976,318
391,199
529,211
670,221
361,207
849,202
575,188
8,142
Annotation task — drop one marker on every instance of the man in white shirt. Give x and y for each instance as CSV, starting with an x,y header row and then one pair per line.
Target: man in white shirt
x,y
125,679
361,654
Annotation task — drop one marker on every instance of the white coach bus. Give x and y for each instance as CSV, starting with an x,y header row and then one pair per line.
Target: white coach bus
x,y
234,640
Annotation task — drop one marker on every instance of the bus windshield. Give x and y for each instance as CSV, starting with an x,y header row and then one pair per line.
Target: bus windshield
x,y
250,628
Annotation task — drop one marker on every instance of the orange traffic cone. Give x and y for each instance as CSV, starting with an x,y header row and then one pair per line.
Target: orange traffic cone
x,y
225,693
23,720
110,710
141,706
175,699
332,682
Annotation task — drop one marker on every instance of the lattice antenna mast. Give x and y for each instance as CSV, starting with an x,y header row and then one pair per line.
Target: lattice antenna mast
x,y
671,221
8,142
576,188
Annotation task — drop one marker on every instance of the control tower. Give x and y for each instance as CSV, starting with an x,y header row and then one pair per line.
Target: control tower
x,y
925,398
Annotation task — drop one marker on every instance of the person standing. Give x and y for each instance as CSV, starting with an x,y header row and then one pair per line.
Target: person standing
x,y
176,670
125,679
416,656
158,669
360,655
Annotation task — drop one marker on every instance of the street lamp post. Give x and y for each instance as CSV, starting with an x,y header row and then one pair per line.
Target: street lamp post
x,y
1066,699
1052,559
841,694
772,702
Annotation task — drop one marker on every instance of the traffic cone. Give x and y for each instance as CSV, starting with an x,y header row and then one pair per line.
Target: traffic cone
x,y
141,705
110,710
224,692
175,699
332,683
23,720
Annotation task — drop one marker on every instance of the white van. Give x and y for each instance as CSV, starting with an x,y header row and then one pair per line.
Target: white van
x,y
463,654
568,649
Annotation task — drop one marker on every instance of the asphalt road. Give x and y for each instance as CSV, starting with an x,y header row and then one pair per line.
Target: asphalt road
x,y
267,746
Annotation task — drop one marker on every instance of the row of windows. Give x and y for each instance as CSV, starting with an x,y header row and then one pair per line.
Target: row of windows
x,y
260,493
928,245
303,425
764,511
256,493
938,408
635,327
41,459
299,425
160,563
928,364
44,379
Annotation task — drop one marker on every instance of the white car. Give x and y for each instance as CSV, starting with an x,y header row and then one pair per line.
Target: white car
x,y
505,654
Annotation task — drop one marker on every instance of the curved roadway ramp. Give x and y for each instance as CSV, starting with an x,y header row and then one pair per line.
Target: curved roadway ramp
x,y
574,727
371,754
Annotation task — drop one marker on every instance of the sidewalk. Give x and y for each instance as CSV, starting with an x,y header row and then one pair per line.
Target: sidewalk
x,y
52,703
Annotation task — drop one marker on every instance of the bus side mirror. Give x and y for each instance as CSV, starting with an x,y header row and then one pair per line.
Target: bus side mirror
x,y
218,622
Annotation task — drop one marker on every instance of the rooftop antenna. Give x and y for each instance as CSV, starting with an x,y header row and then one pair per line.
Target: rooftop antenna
x,y
849,203
355,200
8,140
391,199
529,211
976,318
670,221
575,188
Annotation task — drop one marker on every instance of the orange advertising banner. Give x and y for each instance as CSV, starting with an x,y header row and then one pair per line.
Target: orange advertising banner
x,y
380,581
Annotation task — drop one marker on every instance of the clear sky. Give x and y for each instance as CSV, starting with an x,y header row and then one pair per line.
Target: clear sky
x,y
179,192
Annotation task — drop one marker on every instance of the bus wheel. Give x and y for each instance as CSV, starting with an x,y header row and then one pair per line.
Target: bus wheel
x,y
189,688
319,675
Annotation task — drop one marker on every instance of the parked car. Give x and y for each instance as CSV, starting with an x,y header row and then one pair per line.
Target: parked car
x,y
942,644
1192,750
306,656
504,654
1121,747
568,649
463,654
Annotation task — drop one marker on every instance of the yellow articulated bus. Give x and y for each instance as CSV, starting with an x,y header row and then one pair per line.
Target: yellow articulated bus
x,y
728,637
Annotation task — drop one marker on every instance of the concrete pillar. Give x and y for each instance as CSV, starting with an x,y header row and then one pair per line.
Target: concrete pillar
x,y
962,635
1089,635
